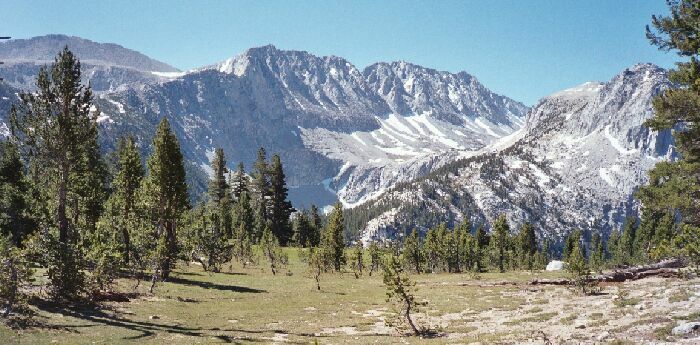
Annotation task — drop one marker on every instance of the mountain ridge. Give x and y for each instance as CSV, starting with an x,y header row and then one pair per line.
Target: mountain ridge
x,y
341,132
576,164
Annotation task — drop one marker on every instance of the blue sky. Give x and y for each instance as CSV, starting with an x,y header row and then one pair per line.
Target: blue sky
x,y
522,49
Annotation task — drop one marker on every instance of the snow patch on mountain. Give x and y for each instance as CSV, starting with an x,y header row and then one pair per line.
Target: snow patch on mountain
x,y
575,164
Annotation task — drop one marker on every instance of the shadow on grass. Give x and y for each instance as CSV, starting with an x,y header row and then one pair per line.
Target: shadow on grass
x,y
94,314
97,316
215,286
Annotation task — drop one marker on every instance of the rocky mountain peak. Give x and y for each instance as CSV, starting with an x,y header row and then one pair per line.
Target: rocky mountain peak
x,y
412,89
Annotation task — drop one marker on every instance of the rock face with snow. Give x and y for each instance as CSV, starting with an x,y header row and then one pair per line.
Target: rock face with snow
x,y
575,164
341,132
410,89
337,134
106,66
7,96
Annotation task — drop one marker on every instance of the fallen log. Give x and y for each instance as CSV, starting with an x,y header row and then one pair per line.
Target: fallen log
x,y
666,269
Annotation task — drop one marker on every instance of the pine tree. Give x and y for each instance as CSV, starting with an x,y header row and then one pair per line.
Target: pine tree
x,y
57,133
242,246
334,239
432,247
374,257
317,264
261,185
399,292
571,240
674,187
220,196
626,245
239,182
465,250
271,250
243,217
664,235
442,247
578,269
613,244
279,207
358,263
15,216
527,246
597,255
15,276
126,183
499,240
482,241
412,252
244,236
165,196
452,250
316,227
690,246
643,241
302,229
546,251
203,239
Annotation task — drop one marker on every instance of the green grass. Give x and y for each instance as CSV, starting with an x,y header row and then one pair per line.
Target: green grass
x,y
252,305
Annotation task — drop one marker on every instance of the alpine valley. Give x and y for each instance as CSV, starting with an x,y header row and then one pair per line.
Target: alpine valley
x,y
403,145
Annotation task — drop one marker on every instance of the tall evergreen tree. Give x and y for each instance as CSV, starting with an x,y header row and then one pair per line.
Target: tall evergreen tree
x,y
243,215
412,252
165,194
126,183
499,239
244,223
57,133
527,246
465,246
674,187
302,229
316,226
432,249
643,241
334,239
613,244
626,245
578,269
597,253
570,242
279,207
239,182
16,222
220,197
261,186
218,186
375,257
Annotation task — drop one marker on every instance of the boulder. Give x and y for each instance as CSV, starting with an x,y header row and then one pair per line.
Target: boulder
x,y
555,265
686,328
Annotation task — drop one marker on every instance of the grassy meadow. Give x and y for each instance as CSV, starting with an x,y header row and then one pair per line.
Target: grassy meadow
x,y
250,305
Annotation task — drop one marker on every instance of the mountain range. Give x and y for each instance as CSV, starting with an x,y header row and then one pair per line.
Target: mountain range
x,y
403,144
